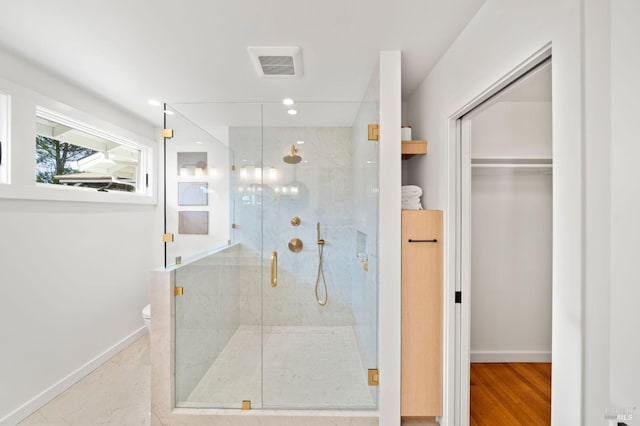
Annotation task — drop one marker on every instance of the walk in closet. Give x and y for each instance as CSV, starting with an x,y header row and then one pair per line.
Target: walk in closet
x,y
509,143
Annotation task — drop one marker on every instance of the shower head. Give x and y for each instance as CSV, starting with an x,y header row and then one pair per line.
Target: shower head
x,y
292,158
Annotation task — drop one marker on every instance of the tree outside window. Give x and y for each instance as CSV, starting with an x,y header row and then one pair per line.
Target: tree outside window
x,y
54,158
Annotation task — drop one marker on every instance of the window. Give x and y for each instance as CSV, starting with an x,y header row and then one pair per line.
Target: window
x,y
72,154
4,138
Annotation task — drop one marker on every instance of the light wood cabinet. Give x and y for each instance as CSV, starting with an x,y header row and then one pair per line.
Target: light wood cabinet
x,y
422,313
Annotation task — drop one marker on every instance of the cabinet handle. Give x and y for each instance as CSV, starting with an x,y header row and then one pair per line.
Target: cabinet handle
x,y
423,241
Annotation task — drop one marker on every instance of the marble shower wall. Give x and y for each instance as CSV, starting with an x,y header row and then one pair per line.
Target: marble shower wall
x,y
219,295
318,189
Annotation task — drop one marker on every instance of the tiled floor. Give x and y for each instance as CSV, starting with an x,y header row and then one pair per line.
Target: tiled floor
x,y
116,393
286,367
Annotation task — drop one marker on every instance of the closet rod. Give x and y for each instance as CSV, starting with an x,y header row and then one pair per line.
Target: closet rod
x,y
498,161
514,166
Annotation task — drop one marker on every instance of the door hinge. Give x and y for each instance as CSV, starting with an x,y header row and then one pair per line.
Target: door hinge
x,y
167,133
374,377
246,404
167,238
146,180
374,132
178,291
458,297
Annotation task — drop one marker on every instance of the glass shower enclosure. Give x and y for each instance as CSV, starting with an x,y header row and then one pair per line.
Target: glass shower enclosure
x,y
271,226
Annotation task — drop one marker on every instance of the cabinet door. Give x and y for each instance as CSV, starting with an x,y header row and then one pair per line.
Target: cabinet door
x,y
422,313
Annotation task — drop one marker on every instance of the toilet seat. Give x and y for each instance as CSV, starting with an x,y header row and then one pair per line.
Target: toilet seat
x,y
146,312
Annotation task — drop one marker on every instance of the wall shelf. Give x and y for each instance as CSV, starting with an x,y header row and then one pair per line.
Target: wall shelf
x,y
411,148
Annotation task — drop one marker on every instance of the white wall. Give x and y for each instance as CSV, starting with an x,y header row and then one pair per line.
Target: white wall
x,y
511,236
75,275
625,205
597,156
510,290
512,130
501,36
4,121
389,235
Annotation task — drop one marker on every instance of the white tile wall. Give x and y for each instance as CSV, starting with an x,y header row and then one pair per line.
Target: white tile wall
x,y
324,180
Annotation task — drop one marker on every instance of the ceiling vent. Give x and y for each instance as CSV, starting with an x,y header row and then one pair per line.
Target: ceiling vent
x,y
277,61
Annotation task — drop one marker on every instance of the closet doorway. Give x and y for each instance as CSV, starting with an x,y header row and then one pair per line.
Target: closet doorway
x,y
506,254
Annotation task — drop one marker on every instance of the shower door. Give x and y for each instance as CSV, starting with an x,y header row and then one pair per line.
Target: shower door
x,y
319,209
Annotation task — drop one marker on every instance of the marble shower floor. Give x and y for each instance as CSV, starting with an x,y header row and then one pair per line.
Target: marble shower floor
x,y
299,367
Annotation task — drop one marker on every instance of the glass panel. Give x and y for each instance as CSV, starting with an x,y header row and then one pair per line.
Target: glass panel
x,y
218,353
198,179
320,321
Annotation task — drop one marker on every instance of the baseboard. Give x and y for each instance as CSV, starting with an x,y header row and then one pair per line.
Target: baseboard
x,y
511,356
29,407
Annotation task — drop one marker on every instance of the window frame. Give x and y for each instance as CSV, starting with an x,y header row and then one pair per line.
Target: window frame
x,y
88,112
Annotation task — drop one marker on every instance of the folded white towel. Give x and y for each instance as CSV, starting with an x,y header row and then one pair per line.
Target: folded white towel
x,y
410,197
411,191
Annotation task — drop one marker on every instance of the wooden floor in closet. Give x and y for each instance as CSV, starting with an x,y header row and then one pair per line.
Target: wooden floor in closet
x,y
511,394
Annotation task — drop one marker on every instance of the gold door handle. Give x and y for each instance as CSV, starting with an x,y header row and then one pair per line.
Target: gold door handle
x,y
274,268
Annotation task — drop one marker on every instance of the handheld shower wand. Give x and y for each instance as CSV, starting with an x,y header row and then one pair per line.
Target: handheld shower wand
x,y
320,301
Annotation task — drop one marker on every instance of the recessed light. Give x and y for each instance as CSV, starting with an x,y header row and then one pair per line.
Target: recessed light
x,y
198,142
292,112
300,142
154,102
287,101
166,111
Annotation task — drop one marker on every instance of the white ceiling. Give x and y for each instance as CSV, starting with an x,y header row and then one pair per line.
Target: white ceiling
x,y
129,51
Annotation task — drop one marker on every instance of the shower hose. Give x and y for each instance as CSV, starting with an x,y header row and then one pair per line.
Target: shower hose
x,y
320,275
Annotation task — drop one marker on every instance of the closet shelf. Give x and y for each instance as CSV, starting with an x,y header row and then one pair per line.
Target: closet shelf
x,y
411,148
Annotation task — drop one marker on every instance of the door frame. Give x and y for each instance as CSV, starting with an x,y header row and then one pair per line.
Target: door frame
x,y
457,256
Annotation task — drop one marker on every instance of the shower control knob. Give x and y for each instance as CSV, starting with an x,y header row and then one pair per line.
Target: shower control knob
x,y
295,245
